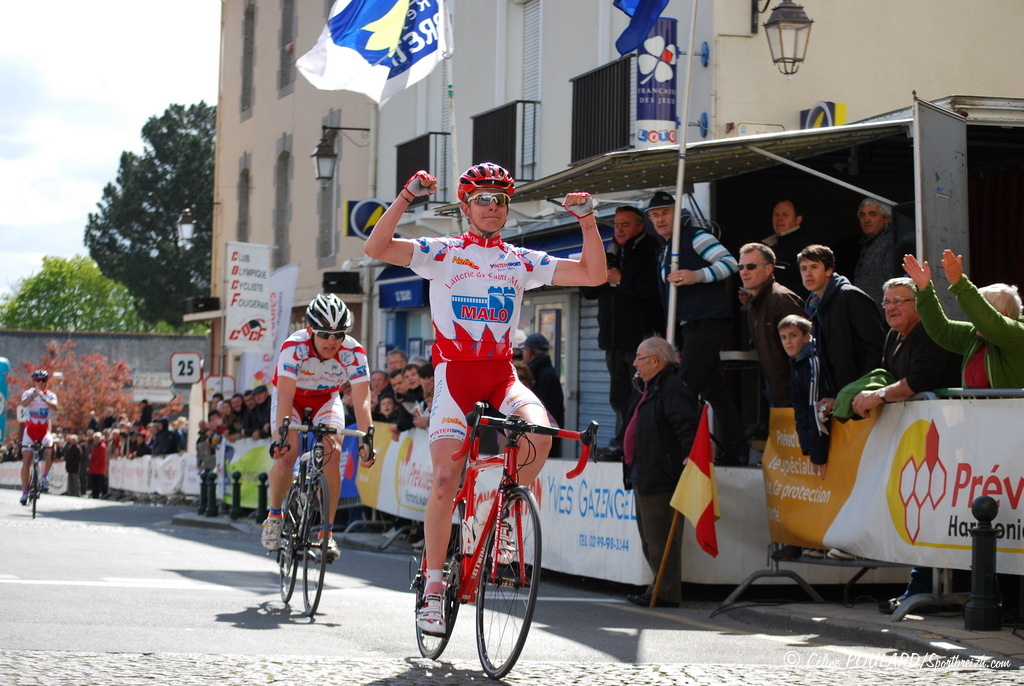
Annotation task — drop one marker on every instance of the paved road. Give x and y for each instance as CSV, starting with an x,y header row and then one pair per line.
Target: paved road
x,y
97,592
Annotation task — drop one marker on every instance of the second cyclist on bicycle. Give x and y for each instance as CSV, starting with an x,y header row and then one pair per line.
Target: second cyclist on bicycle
x,y
313,366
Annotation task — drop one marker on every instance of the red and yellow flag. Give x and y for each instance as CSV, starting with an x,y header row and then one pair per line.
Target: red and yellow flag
x,y
696,494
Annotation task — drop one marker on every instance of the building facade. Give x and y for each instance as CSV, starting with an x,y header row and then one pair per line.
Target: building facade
x,y
538,86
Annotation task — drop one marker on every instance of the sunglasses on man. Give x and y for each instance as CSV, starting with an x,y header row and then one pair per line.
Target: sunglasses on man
x,y
499,199
329,335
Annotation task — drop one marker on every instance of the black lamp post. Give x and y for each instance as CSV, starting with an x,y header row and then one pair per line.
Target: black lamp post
x,y
788,29
324,160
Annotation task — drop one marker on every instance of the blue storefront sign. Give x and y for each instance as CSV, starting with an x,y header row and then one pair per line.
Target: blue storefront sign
x,y
401,287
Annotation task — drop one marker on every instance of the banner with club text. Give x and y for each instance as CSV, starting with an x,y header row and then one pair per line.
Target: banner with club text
x,y
247,298
900,485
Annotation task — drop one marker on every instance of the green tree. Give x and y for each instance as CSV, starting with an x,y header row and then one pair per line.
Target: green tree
x,y
70,294
134,235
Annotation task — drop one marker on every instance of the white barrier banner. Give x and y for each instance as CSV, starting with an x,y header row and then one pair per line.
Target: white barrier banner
x,y
166,473
923,466
136,474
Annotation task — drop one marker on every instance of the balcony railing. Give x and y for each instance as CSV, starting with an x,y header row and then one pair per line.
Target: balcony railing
x,y
430,152
507,135
602,110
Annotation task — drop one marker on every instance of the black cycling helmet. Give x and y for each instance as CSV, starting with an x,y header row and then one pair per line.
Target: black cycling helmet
x,y
328,313
40,375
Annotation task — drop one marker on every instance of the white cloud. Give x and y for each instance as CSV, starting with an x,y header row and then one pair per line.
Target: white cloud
x,y
80,80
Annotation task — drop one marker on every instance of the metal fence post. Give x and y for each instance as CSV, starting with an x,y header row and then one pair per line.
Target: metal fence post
x,y
236,495
202,491
211,494
261,497
982,611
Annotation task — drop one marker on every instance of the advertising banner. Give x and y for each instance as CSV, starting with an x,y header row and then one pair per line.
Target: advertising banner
x,y
656,86
247,306
900,488
256,368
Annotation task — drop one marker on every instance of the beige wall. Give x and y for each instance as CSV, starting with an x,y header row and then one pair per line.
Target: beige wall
x,y
870,55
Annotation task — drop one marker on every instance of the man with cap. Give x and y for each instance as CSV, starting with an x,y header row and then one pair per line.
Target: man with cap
x,y
628,306
702,317
547,385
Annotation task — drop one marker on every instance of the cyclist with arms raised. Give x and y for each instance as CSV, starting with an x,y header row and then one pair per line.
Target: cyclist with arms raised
x,y
475,300
40,403
312,367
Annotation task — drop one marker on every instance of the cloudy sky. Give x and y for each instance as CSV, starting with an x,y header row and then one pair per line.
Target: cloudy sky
x,y
79,80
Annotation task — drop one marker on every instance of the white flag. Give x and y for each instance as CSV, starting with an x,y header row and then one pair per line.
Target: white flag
x,y
378,47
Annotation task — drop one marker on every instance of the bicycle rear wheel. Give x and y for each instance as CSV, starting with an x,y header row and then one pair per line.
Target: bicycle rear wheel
x,y
507,595
431,646
314,562
291,548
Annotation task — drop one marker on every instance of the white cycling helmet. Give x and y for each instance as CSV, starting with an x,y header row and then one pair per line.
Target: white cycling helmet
x,y
328,313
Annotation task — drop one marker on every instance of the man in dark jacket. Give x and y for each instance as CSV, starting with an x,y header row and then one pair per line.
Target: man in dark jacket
x,y
847,323
662,422
547,385
628,305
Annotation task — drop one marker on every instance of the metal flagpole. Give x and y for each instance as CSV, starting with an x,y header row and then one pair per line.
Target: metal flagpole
x,y
682,124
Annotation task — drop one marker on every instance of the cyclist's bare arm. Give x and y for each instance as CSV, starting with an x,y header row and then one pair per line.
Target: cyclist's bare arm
x,y
591,268
285,398
382,244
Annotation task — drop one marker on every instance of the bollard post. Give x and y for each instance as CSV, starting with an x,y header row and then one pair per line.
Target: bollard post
x,y
261,497
211,494
236,495
202,491
982,611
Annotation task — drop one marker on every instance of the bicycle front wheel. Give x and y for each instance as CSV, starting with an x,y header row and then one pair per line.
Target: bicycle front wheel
x,y
432,645
314,562
35,485
290,550
507,591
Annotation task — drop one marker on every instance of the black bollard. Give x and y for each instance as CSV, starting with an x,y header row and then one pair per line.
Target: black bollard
x,y
202,491
236,495
211,494
261,497
982,611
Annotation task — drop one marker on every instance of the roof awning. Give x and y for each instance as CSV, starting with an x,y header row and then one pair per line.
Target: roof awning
x,y
633,170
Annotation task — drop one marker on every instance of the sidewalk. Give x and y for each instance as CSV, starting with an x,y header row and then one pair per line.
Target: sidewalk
x,y
941,635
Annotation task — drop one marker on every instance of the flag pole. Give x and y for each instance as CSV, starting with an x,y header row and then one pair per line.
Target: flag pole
x,y
682,124
664,557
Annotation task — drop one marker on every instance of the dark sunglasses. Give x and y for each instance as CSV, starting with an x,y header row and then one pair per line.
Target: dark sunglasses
x,y
328,335
752,266
500,199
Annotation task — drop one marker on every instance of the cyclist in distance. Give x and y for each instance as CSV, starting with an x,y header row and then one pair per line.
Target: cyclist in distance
x,y
476,295
40,403
312,367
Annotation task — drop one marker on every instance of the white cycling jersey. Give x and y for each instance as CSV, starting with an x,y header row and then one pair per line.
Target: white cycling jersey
x,y
316,377
476,292
37,415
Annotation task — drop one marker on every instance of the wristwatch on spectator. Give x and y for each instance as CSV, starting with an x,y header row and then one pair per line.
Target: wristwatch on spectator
x,y
881,393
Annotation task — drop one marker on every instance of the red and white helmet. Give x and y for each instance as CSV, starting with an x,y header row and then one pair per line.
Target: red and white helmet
x,y
486,175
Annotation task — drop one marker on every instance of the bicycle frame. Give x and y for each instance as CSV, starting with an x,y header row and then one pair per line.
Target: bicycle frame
x,y
509,461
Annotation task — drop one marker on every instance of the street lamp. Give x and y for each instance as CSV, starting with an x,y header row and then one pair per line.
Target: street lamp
x,y
788,29
186,226
324,158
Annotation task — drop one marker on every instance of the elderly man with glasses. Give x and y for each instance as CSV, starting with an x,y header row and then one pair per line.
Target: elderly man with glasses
x,y
916,361
662,422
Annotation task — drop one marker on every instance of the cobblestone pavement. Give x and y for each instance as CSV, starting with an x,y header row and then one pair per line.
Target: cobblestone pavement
x,y
24,668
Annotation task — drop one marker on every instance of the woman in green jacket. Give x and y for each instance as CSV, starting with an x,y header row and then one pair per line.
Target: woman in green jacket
x,y
991,341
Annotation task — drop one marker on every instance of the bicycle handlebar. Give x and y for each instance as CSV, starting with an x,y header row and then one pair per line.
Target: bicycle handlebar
x,y
518,426
322,430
